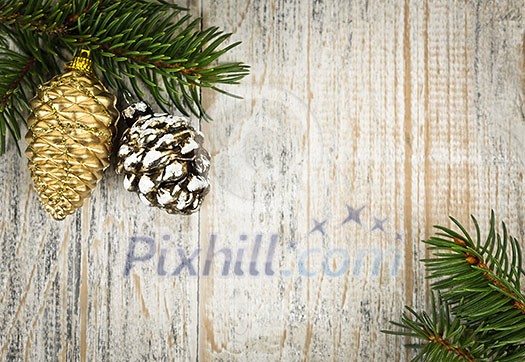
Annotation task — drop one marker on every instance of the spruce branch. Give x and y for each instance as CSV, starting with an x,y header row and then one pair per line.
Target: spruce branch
x,y
444,338
479,286
14,68
138,46
481,280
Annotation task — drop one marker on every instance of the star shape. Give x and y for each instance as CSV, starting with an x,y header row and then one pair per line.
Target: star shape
x,y
353,214
319,226
378,224
399,236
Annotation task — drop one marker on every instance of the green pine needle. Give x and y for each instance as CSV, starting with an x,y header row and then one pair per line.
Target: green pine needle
x,y
138,46
480,309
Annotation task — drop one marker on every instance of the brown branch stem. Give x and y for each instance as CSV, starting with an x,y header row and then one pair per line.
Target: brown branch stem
x,y
458,351
192,71
41,27
475,261
38,25
16,82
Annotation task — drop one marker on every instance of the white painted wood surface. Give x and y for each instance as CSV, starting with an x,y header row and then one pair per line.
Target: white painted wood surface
x,y
408,111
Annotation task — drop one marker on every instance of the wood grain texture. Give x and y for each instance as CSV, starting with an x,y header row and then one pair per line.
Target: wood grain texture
x,y
363,124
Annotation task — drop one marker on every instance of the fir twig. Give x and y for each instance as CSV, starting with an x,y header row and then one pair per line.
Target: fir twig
x,y
479,285
137,46
14,68
481,280
444,338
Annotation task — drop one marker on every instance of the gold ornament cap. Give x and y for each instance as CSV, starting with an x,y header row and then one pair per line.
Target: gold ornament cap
x,y
81,62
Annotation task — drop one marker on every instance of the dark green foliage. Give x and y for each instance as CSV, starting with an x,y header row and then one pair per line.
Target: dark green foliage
x,y
443,338
137,46
480,313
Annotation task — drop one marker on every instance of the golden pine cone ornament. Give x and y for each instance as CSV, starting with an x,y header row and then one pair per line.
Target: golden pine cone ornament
x,y
69,138
163,160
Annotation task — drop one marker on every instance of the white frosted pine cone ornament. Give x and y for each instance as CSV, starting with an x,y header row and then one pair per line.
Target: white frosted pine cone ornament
x,y
162,159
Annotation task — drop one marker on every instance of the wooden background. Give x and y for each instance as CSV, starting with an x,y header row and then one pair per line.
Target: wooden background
x,y
408,111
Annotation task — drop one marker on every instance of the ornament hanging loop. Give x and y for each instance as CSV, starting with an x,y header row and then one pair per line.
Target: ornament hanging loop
x,y
81,62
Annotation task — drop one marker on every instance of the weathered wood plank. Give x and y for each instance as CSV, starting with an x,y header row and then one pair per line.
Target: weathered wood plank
x,y
260,148
393,125
363,124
